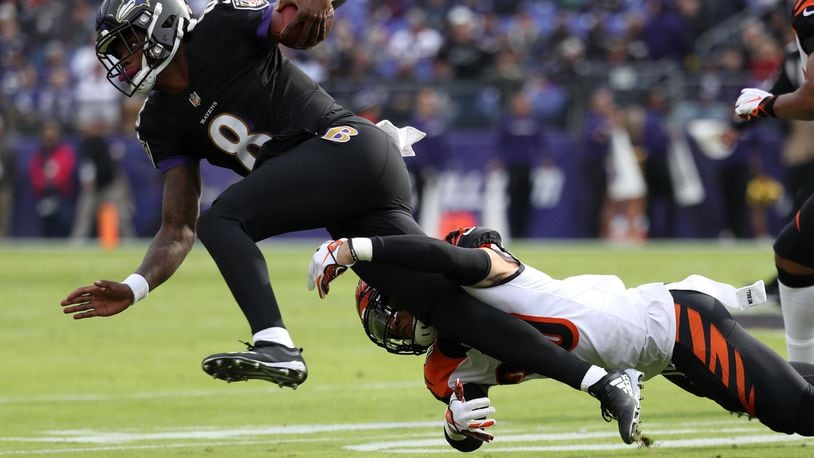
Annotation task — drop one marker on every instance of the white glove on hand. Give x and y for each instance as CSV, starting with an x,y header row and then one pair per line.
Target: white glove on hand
x,y
324,268
468,418
749,103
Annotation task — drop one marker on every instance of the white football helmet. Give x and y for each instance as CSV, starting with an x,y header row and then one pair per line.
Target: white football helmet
x,y
397,331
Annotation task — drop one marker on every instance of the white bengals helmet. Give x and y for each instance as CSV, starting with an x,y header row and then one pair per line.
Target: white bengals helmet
x,y
397,331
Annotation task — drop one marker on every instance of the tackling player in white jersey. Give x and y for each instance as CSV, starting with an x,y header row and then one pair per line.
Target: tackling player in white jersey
x,y
679,330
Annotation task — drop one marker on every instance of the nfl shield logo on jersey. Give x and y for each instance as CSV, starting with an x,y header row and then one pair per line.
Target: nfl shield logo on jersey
x,y
195,99
250,4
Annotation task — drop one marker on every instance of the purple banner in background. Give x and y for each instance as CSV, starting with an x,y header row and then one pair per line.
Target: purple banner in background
x,y
561,200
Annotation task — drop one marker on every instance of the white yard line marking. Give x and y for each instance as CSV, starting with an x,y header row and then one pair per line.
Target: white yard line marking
x,y
225,391
409,440
544,437
422,446
678,443
122,437
62,451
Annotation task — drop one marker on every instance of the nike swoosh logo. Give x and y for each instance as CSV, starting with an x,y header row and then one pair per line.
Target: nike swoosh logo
x,y
808,12
752,100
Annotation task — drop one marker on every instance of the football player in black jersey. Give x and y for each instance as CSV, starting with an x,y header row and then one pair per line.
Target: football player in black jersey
x,y
793,248
221,91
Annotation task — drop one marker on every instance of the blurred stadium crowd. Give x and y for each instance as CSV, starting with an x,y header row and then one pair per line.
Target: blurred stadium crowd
x,y
531,88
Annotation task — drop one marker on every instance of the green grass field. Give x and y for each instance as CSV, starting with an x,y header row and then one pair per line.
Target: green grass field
x,y
131,385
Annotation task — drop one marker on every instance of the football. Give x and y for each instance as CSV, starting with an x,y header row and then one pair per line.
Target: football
x,y
279,19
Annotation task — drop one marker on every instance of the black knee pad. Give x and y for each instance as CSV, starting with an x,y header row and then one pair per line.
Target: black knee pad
x,y
794,241
787,242
795,244
794,281
802,196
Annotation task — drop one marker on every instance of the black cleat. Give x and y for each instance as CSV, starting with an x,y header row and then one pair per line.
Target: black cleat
x,y
619,393
263,361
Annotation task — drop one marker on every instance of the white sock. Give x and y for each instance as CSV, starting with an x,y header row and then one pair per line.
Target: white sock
x,y
798,319
276,335
592,376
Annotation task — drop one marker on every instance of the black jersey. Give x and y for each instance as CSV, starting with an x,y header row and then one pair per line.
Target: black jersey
x,y
242,93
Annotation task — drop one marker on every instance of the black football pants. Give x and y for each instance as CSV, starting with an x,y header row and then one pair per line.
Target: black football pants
x,y
357,188
716,358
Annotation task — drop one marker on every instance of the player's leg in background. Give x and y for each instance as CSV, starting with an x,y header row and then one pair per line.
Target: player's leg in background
x,y
723,362
794,258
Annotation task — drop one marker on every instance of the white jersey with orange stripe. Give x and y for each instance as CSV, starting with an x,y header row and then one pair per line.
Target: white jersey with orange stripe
x,y
594,316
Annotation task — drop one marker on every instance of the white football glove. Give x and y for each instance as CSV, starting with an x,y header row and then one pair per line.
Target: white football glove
x,y
324,268
750,103
468,418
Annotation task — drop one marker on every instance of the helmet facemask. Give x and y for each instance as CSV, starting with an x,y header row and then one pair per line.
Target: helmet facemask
x,y
397,331
158,44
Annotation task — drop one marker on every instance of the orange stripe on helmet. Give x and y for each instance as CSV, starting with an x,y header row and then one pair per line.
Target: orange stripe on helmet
x,y
363,293
801,5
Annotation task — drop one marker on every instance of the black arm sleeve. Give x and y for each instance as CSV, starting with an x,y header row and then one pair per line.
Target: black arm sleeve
x,y
783,82
464,266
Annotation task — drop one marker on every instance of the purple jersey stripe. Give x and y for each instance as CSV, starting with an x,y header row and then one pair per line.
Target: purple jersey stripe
x,y
175,161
